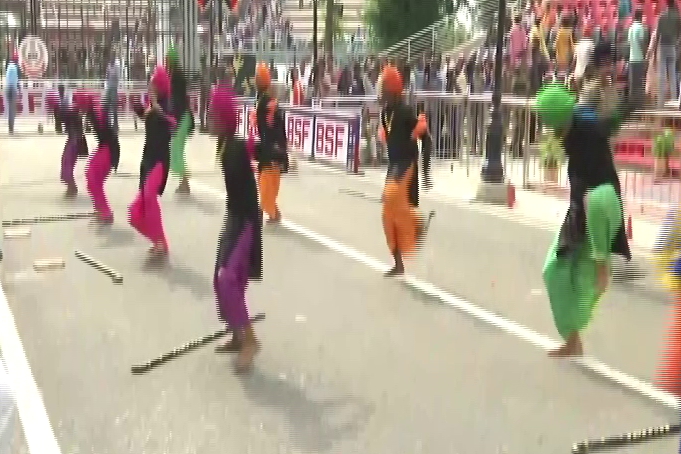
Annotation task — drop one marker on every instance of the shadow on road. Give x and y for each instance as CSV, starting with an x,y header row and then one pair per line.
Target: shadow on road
x,y
312,422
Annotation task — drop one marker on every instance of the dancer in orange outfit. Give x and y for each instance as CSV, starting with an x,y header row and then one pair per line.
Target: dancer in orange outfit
x,y
402,130
273,147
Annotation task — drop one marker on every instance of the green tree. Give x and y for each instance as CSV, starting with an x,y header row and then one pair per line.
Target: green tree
x,y
333,24
390,21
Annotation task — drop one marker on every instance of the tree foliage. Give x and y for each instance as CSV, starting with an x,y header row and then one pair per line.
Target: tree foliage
x,y
390,21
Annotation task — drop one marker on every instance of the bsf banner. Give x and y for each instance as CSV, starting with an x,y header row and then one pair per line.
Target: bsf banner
x,y
34,101
321,135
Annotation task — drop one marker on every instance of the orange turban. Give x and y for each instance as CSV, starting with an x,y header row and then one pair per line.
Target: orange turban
x,y
263,78
392,80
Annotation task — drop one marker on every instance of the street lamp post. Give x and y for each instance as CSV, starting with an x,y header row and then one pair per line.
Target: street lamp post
x,y
315,25
493,170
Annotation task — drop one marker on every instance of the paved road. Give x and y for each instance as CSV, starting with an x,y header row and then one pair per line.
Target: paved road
x,y
351,362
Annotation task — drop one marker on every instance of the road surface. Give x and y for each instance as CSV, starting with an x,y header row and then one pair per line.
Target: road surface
x,y
351,362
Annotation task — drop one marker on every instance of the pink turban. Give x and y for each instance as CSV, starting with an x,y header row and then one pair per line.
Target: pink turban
x,y
161,81
224,108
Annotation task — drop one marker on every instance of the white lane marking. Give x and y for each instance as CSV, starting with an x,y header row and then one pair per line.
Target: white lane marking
x,y
509,326
34,420
440,195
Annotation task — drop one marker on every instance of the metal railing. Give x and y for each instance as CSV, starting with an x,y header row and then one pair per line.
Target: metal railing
x,y
438,38
458,125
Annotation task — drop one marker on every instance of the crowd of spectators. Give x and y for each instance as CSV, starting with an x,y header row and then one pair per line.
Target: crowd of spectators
x,y
263,22
544,42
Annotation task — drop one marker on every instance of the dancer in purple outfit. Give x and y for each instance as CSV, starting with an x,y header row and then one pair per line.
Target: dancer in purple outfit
x,y
239,255
76,145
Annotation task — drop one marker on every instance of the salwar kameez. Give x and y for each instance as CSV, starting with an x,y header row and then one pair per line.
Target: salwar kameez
x,y
571,279
74,148
68,162
401,129
273,153
145,211
182,113
104,159
178,160
239,254
593,228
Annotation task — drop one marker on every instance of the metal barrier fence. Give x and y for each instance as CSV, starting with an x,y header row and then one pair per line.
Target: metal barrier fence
x,y
458,125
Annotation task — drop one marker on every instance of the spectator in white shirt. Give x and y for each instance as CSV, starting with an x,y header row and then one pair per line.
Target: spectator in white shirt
x,y
584,50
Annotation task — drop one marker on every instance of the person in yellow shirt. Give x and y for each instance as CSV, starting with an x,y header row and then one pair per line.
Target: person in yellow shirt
x,y
564,45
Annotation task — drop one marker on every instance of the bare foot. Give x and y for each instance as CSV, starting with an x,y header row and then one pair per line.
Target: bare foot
x,y
71,192
244,362
395,271
158,250
573,347
183,188
106,219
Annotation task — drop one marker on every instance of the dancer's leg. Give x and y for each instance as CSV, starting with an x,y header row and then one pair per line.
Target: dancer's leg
x,y
68,165
152,208
231,281
97,172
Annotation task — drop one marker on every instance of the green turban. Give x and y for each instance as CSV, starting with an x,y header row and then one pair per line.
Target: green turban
x,y
172,57
555,105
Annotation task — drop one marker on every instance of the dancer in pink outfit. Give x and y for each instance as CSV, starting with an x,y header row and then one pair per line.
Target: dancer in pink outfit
x,y
145,211
104,159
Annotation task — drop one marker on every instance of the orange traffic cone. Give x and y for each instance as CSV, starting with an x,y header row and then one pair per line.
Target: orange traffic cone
x,y
510,195
669,373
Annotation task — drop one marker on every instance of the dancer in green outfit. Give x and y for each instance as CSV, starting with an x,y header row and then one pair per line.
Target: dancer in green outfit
x,y
185,119
577,268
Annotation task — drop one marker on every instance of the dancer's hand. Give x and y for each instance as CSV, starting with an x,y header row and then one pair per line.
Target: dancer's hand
x,y
602,277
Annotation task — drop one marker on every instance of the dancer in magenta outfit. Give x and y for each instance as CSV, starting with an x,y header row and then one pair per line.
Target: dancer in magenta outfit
x,y
239,255
104,159
145,211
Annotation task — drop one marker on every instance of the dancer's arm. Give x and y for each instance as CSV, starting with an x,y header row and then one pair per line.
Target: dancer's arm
x,y
139,110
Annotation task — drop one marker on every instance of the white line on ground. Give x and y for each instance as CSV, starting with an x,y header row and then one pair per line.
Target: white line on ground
x,y
442,196
34,420
509,326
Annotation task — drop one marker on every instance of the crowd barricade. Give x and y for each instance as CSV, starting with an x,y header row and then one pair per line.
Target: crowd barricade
x,y
458,125
326,136
35,97
343,130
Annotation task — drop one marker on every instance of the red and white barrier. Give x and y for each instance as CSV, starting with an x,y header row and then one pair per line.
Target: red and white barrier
x,y
318,134
327,135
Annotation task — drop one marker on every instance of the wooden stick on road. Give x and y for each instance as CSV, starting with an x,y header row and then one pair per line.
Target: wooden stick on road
x,y
629,438
46,219
186,348
115,276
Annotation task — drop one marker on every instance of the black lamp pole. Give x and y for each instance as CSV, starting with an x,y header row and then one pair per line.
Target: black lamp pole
x,y
315,25
493,170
